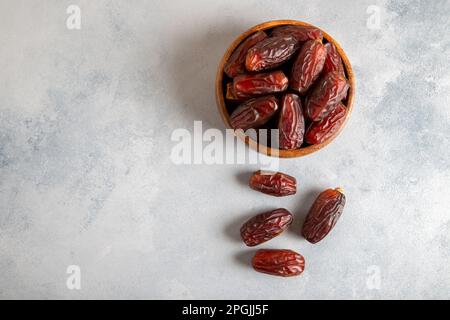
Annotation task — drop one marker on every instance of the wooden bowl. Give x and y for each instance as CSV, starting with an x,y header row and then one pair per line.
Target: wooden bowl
x,y
220,95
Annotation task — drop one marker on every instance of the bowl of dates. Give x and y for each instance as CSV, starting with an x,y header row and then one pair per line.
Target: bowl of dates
x,y
286,75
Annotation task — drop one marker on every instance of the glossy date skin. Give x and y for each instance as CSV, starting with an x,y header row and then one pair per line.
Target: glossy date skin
x,y
325,96
291,123
254,113
265,226
323,215
278,262
333,61
307,66
230,95
236,63
276,184
270,53
250,85
301,33
320,131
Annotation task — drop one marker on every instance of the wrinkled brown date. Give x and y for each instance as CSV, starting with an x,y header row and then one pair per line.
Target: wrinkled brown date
x,y
230,95
278,262
291,123
301,33
236,64
323,215
308,65
325,96
270,53
323,130
254,112
333,61
265,226
249,85
273,183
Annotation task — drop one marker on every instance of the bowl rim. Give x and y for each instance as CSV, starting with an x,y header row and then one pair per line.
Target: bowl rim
x,y
220,97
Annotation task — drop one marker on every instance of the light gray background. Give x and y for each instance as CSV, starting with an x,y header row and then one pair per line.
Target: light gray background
x,y
86,177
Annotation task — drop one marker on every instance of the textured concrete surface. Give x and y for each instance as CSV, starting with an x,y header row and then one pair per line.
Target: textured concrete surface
x,y
86,177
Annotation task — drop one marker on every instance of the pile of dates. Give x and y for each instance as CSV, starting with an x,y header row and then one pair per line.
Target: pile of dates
x,y
322,217
288,79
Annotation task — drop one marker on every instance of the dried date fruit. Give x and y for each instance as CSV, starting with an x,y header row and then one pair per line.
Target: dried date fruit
x,y
291,123
273,183
248,85
308,66
301,33
236,64
321,131
278,262
254,112
265,226
325,96
230,95
270,53
323,215
333,61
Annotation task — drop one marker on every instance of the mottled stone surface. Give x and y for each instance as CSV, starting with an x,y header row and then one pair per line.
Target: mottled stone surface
x,y
86,178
